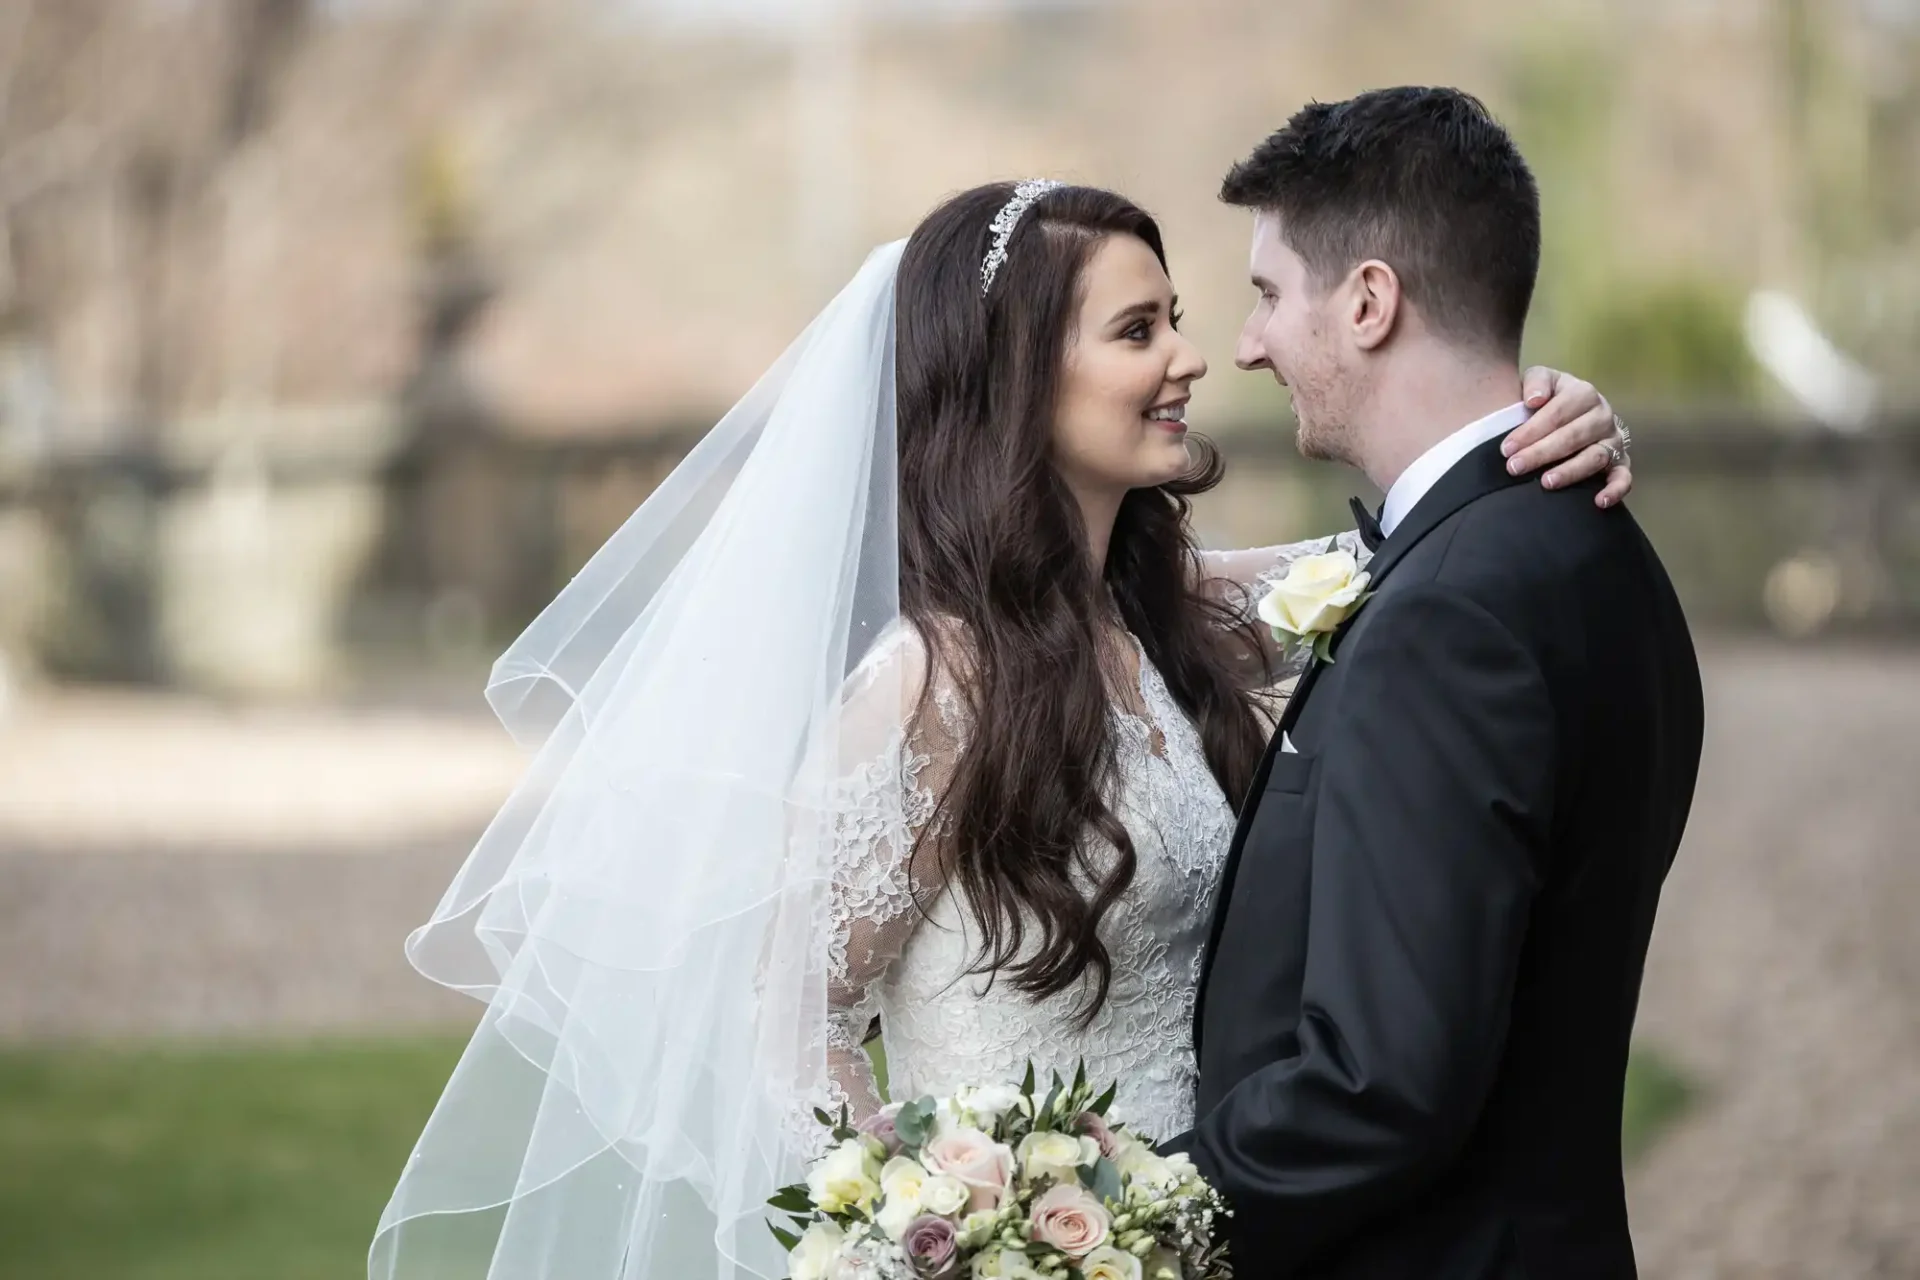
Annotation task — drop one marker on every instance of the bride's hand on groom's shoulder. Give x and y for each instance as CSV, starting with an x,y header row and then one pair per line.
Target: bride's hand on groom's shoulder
x,y
1571,425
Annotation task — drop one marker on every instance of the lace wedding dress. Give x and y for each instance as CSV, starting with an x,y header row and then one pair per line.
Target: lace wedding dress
x,y
902,945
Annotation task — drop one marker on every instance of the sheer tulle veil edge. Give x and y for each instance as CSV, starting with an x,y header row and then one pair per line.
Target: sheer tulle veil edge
x,y
644,917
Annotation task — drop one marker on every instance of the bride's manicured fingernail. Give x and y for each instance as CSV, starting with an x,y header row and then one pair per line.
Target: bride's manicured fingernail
x,y
1513,467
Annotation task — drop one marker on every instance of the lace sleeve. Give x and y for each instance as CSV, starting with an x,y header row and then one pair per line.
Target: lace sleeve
x,y
1239,578
885,872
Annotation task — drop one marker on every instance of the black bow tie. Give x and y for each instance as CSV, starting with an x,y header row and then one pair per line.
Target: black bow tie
x,y
1367,523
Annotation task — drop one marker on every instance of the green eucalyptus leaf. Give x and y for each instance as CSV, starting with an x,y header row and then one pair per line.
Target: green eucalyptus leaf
x,y
792,1200
914,1122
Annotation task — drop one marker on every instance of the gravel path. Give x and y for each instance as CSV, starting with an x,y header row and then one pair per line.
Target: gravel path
x,y
1785,975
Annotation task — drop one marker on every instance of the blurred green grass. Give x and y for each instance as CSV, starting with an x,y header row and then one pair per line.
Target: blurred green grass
x,y
207,1162
1658,1093
247,1161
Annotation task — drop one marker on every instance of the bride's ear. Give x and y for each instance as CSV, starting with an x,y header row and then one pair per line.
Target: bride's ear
x,y
1374,302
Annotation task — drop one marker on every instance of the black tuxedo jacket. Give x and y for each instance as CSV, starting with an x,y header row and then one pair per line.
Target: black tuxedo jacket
x,y
1414,1016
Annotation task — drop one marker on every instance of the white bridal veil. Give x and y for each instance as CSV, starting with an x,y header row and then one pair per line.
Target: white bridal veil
x,y
643,917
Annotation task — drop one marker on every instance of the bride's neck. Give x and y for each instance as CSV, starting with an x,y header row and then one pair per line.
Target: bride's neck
x,y
1098,511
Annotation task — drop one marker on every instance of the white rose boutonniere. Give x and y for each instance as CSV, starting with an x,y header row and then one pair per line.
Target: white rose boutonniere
x,y
1319,593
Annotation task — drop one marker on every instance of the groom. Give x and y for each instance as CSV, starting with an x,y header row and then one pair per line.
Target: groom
x,y
1413,1027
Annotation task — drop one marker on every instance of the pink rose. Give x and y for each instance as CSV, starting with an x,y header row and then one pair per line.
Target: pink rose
x,y
1071,1220
1093,1126
879,1126
985,1166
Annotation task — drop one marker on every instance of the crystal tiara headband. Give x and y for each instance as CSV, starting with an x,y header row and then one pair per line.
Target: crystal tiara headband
x,y
1006,220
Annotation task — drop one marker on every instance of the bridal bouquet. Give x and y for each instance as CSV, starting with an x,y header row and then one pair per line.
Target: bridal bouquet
x,y
1000,1182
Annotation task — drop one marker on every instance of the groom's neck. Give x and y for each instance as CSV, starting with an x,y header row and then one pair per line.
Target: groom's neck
x,y
1423,398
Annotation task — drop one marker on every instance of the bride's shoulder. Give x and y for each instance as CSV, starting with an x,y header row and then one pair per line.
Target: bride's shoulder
x,y
908,656
943,644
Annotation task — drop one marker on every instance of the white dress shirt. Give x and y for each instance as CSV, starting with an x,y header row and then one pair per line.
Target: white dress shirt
x,y
1437,461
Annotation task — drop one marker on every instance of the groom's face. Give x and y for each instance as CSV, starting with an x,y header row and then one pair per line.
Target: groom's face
x,y
1291,334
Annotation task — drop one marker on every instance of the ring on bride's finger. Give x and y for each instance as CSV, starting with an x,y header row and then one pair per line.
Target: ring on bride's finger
x,y
1626,436
1617,456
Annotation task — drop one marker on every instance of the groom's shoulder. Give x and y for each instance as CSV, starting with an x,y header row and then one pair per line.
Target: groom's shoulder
x,y
1527,538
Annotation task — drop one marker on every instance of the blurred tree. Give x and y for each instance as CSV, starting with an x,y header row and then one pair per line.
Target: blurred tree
x,y
1672,340
1559,104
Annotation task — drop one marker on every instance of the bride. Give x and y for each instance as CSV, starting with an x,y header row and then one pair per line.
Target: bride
x,y
906,697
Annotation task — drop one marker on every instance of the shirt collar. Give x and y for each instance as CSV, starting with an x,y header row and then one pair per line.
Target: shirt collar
x,y
1440,459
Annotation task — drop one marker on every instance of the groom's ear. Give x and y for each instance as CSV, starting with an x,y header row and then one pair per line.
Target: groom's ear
x,y
1374,303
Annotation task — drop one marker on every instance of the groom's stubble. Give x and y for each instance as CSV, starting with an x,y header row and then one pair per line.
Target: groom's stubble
x,y
1326,401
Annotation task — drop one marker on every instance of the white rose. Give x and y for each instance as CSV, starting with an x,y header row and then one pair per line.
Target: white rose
x,y
1318,594
988,1102
815,1254
944,1197
1141,1165
845,1177
1183,1167
1004,1264
1108,1263
1052,1155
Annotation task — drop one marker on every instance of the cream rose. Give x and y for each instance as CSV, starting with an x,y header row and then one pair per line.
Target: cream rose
x,y
1004,1264
1071,1220
1110,1264
846,1177
1317,595
985,1166
814,1256
944,1196
1054,1155
978,1228
1142,1165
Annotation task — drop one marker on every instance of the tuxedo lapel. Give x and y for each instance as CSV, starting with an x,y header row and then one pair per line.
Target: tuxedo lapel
x,y
1229,869
1480,473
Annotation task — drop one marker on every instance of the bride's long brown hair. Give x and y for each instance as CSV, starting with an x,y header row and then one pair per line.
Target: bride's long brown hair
x,y
991,540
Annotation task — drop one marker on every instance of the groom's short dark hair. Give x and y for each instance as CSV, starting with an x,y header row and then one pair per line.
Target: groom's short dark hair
x,y
1423,179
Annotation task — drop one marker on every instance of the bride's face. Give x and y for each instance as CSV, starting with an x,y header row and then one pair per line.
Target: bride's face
x,y
1121,417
